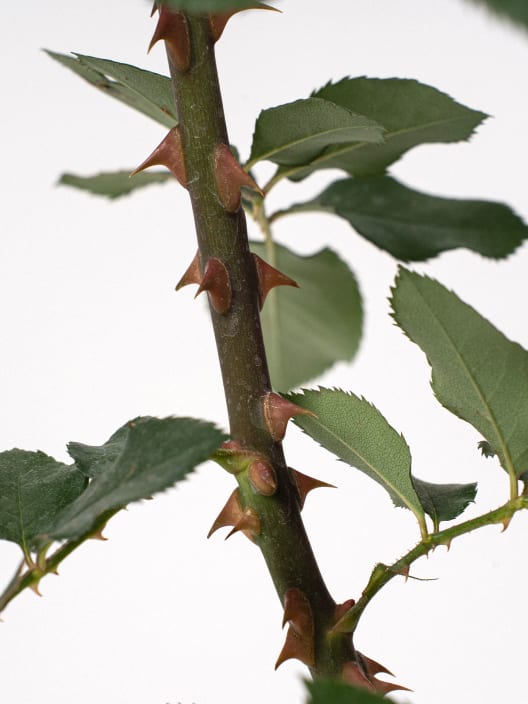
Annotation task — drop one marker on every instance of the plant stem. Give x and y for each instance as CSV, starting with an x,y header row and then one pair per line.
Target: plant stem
x,y
381,574
282,538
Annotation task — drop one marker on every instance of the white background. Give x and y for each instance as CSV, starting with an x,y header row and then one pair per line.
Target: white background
x,y
93,334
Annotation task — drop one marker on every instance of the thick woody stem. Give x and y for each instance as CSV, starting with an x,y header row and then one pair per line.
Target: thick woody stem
x,y
222,236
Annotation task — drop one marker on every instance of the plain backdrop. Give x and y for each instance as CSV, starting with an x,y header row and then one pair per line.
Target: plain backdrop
x,y
93,334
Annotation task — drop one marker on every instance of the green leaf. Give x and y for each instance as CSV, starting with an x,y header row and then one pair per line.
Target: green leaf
x,y
212,5
114,184
477,373
513,10
145,456
34,489
295,133
414,226
443,502
411,112
335,692
307,330
147,92
354,430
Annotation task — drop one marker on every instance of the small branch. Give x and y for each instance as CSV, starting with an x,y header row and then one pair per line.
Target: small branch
x,y
381,574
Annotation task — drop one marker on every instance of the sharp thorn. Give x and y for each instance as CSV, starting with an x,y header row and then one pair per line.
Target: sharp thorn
x,y
385,687
248,523
269,277
230,178
192,275
229,515
505,523
173,29
217,284
168,153
296,647
35,588
219,20
298,613
277,413
371,666
305,484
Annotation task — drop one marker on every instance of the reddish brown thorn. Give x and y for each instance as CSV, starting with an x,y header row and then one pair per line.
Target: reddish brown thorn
x,y
305,484
386,687
192,274
173,29
262,477
219,21
296,647
217,284
154,8
269,277
277,413
353,674
229,515
341,609
248,523
230,177
372,667
298,613
505,523
168,153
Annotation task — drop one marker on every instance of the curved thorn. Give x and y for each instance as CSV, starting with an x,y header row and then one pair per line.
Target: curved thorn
x,y
217,284
219,20
173,29
192,274
229,515
248,523
305,484
168,153
298,648
269,277
230,178
277,413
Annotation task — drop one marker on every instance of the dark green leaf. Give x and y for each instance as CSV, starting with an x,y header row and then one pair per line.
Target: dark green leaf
x,y
411,112
413,226
354,430
147,92
514,10
155,454
295,133
478,374
335,692
443,502
114,184
34,489
307,330
212,5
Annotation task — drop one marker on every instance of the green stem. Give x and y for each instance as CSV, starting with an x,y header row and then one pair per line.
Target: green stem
x,y
382,574
36,571
282,538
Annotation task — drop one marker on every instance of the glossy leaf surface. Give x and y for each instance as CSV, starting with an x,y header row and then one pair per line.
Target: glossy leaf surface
x,y
356,432
307,330
145,91
414,226
443,502
411,112
477,373
295,133
146,456
114,184
34,489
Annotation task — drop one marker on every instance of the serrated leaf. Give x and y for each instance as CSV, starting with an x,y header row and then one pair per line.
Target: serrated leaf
x,y
336,692
34,489
145,91
414,226
155,454
356,432
411,112
514,10
114,184
307,330
443,502
295,133
477,373
212,5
